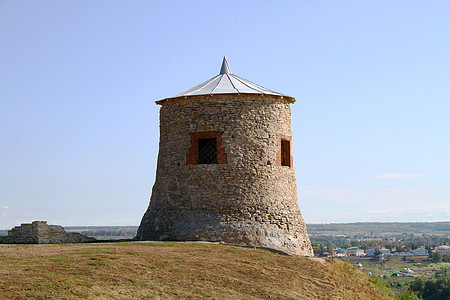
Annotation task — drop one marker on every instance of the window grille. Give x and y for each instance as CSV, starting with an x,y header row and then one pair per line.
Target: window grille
x,y
207,151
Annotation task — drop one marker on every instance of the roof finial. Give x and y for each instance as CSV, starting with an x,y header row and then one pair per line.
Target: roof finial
x,y
225,67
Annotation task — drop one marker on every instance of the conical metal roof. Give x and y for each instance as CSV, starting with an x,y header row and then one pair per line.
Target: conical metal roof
x,y
227,83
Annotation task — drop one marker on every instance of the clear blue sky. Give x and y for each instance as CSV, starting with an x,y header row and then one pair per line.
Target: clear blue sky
x,y
79,126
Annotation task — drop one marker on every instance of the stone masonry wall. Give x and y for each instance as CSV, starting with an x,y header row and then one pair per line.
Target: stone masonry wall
x,y
38,232
250,199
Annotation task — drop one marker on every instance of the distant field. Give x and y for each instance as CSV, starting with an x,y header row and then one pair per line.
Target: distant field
x,y
438,228
169,270
105,232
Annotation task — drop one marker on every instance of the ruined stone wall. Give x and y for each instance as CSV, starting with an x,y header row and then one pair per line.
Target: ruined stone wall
x,y
39,232
250,199
24,234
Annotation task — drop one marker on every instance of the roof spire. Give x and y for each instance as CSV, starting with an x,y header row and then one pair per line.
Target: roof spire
x,y
225,69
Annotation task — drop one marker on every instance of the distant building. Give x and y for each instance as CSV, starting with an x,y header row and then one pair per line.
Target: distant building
x,y
383,251
339,252
444,250
370,252
405,253
420,252
355,251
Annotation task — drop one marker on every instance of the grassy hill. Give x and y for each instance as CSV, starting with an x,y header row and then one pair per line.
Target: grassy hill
x,y
171,270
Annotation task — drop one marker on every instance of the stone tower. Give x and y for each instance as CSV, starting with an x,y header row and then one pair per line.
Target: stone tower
x,y
225,168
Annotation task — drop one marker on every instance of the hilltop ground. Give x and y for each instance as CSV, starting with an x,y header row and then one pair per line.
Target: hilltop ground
x,y
171,270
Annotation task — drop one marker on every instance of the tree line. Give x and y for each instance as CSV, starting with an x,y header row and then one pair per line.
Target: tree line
x,y
103,233
381,228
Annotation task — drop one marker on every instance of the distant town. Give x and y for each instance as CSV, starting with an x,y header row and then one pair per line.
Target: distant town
x,y
379,251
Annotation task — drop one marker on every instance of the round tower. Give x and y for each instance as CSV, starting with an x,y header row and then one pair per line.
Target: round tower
x,y
225,168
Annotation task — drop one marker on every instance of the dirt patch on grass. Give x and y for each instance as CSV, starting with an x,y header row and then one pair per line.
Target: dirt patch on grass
x,y
172,271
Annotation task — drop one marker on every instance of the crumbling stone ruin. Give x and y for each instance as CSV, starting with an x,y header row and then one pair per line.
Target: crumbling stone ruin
x,y
38,232
225,168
